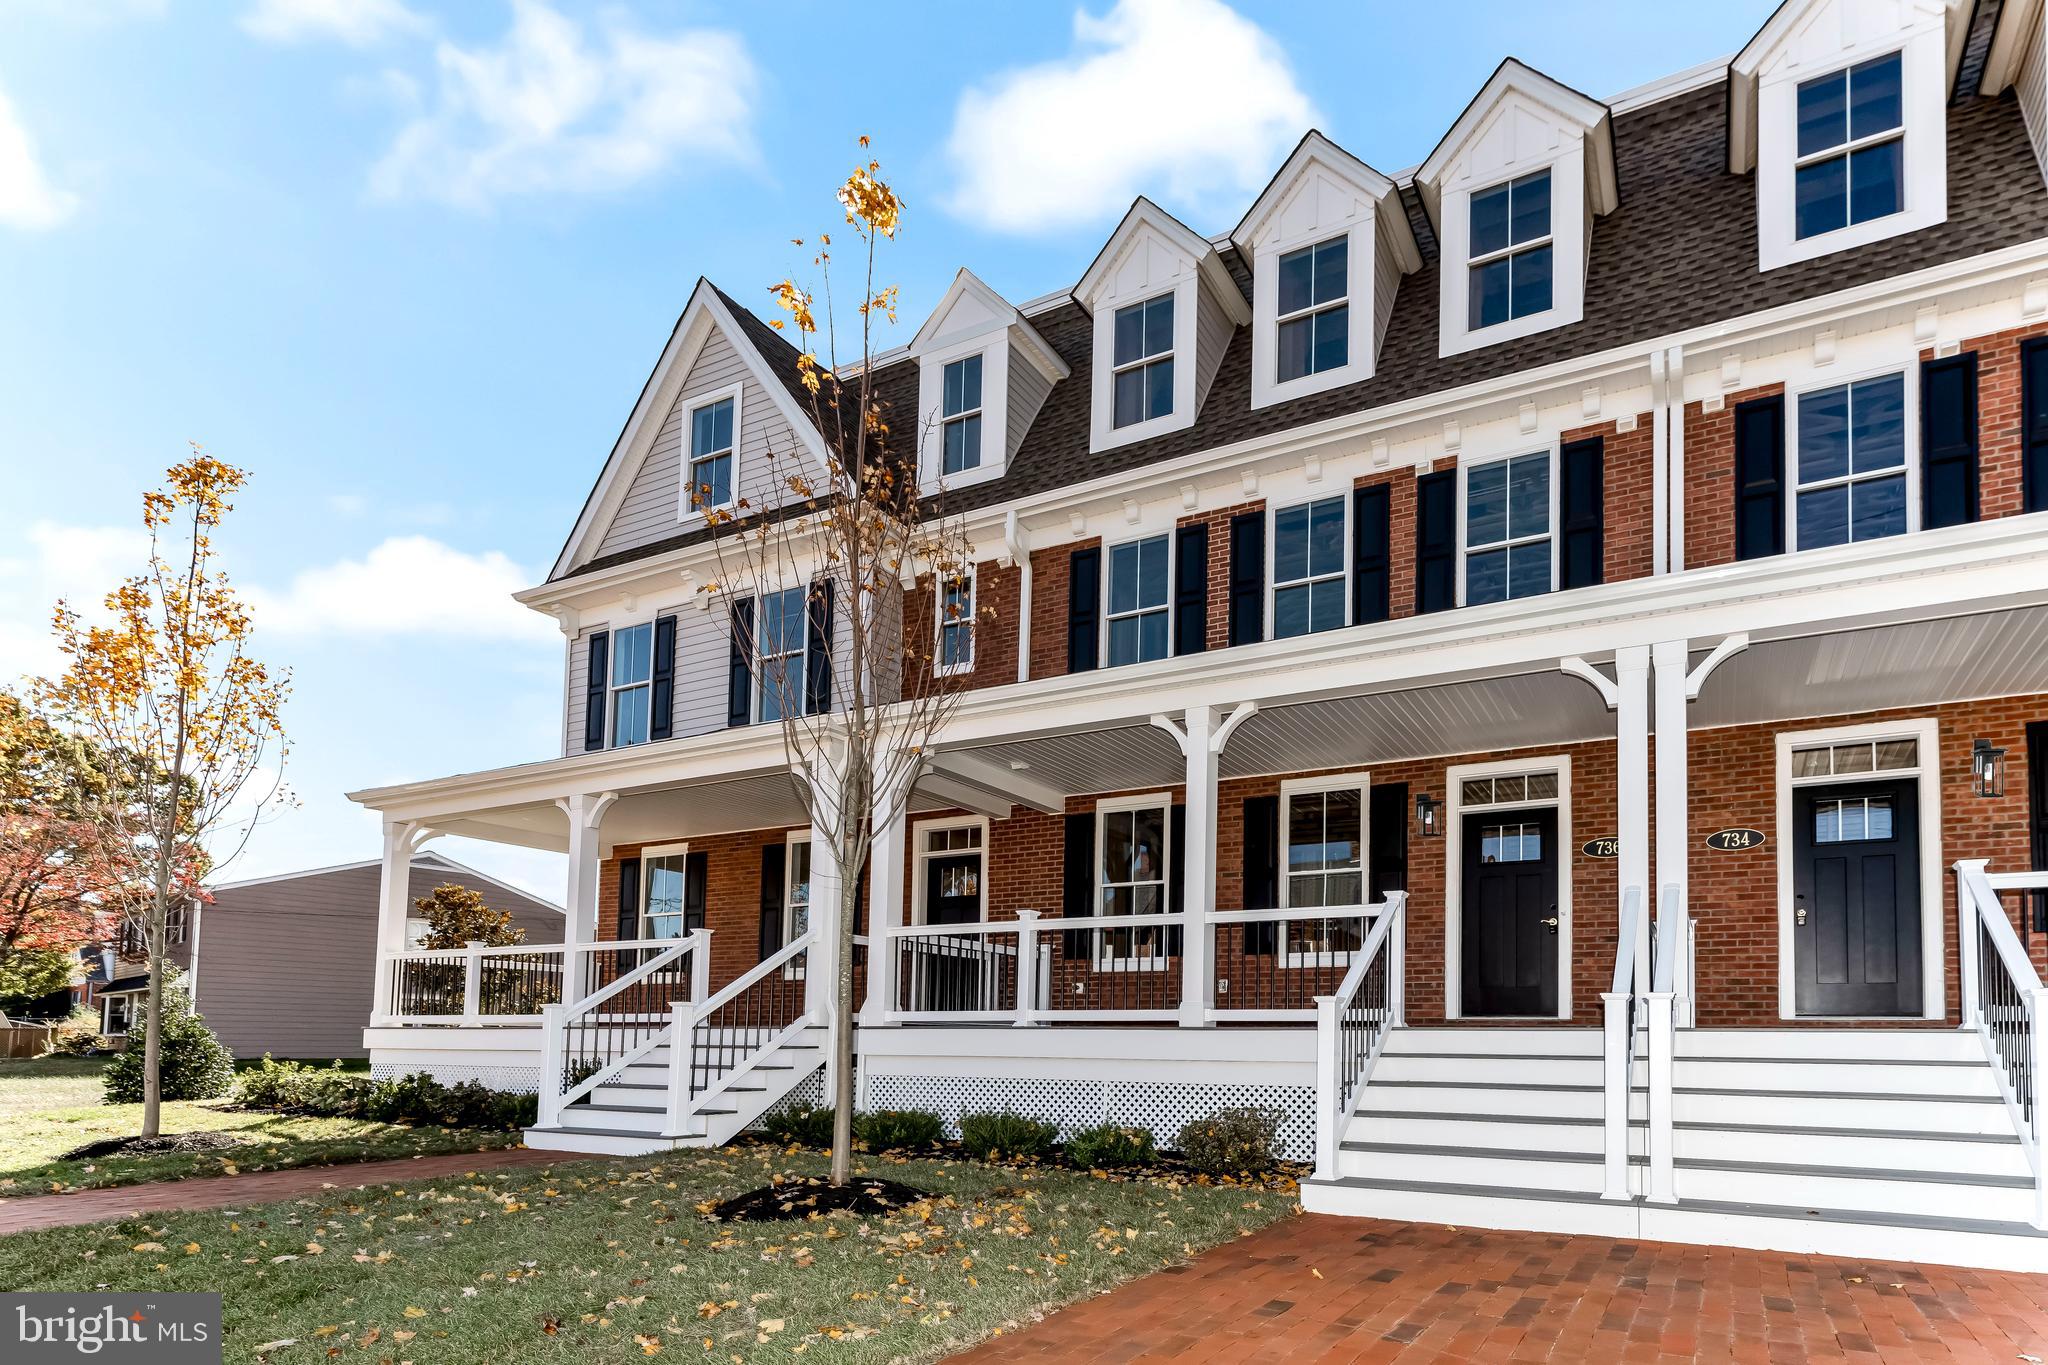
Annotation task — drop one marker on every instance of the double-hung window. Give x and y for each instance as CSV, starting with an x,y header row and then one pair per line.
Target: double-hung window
x,y
960,416
665,909
1138,589
1131,839
1143,363
1325,866
1314,309
1510,251
1852,144
631,683
956,623
796,888
1308,568
1852,462
780,645
711,455
1507,529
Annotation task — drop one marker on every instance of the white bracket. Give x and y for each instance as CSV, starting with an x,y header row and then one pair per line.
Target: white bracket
x,y
1016,541
1609,690
1724,651
599,803
1243,712
1172,728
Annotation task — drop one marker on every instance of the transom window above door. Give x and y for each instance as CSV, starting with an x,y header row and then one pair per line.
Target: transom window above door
x,y
1851,149
961,416
1861,756
632,676
1308,568
780,647
1514,789
1852,462
1143,361
1139,575
1511,255
1314,309
711,438
1507,529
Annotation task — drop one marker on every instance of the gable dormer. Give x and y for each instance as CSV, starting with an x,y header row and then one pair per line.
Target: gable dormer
x,y
983,372
1165,308
1840,107
1328,242
1513,190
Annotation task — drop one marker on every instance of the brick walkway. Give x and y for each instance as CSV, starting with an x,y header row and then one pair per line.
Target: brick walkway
x,y
258,1187
1418,1292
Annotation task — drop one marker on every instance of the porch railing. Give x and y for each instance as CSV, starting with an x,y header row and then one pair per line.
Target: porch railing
x,y
508,985
1353,1024
591,1041
2003,1000
731,1034
1030,970
1618,1046
1273,964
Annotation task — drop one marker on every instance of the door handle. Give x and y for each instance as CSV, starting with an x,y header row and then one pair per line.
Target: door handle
x,y
1552,923
1799,909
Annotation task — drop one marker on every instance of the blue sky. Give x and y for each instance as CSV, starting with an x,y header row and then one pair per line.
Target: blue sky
x,y
409,263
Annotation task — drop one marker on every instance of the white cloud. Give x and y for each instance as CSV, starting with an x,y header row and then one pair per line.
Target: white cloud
x,y
78,563
1183,100
408,585
347,504
358,23
549,111
27,198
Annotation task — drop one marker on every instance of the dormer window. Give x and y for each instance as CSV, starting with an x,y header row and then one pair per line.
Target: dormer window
x,y
711,445
1510,246
1315,309
1852,138
1144,361
962,416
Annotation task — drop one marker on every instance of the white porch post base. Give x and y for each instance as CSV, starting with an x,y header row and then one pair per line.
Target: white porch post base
x,y
886,852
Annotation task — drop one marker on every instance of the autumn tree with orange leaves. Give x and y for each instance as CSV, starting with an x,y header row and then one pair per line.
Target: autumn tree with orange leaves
x,y
167,683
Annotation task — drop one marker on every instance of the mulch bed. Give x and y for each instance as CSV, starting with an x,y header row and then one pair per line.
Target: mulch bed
x,y
808,1196
141,1146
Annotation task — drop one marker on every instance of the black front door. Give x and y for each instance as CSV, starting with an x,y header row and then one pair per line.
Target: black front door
x,y
1856,898
1510,912
953,968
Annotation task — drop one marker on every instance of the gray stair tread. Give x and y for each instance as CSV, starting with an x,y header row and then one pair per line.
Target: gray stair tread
x,y
1836,1061
1835,1094
1459,1116
1590,1058
603,1132
1481,1191
2011,1182
1694,1125
1479,1153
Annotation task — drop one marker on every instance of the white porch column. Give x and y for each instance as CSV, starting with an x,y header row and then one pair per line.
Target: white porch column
x,y
885,907
402,839
1632,790
585,811
1673,809
1201,745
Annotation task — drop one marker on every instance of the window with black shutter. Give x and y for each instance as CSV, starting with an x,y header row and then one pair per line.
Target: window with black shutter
x,y
772,855
1436,541
1084,604
739,676
629,898
1371,553
597,657
818,649
2034,426
1191,589
661,714
1077,883
1261,869
1760,477
1582,513
1948,440
1248,577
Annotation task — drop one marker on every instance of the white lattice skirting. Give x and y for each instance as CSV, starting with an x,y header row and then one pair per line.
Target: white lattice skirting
x,y
1078,1104
515,1078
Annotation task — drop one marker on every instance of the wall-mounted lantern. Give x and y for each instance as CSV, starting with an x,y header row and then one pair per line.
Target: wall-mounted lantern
x,y
1428,816
1987,768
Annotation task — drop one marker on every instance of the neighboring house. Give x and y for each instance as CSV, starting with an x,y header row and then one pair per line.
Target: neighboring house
x,y
245,950
1342,568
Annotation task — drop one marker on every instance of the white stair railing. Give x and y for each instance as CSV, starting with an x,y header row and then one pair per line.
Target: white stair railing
x,y
590,1041
1352,1026
1618,1045
2003,1000
722,1037
1666,972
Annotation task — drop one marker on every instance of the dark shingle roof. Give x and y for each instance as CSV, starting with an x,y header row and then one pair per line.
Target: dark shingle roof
x,y
1679,251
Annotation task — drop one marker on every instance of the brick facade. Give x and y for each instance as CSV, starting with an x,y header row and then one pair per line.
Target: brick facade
x,y
1710,478
997,591
1628,473
1999,420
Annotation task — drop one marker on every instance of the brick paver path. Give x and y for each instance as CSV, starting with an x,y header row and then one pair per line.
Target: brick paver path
x,y
257,1187
1422,1292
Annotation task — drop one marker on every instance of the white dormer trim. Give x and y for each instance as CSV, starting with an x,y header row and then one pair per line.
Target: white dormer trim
x,y
1809,39
1521,122
1152,253
1321,193
972,319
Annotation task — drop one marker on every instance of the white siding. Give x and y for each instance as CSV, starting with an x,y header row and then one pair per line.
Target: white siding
x,y
2033,94
1386,282
1028,388
703,647
1213,330
579,678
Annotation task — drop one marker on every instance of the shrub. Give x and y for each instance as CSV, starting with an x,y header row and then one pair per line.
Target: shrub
x,y
900,1129
269,1084
457,916
77,1033
330,1092
1109,1145
1007,1135
1232,1141
800,1125
192,1064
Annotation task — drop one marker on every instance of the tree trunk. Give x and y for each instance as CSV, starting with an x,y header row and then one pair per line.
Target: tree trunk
x,y
152,1037
842,1028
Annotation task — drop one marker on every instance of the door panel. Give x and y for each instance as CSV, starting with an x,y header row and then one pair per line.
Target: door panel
x,y
1856,899
952,971
1510,914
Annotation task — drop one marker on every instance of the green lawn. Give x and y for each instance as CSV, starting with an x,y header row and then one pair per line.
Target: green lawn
x,y
596,1261
51,1105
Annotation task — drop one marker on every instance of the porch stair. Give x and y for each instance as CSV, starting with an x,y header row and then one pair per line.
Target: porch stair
x,y
625,1115
1866,1142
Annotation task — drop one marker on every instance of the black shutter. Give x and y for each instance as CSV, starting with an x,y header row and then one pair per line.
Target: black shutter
x,y
629,896
1176,872
1191,589
599,659
696,881
818,649
1387,839
1581,513
661,701
1760,477
1436,541
1077,899
1084,605
1248,577
1948,441
739,676
1261,869
771,897
1371,553
2034,427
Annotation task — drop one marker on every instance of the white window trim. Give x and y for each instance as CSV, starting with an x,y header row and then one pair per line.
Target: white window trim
x,y
802,654
1548,239
1360,253
1103,434
947,419
612,687
1273,584
647,855
1360,782
1171,353
1108,551
922,855
790,840
1454,869
969,622
1925,732
1568,246
1466,464
1908,373
107,1016
684,510
1102,959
